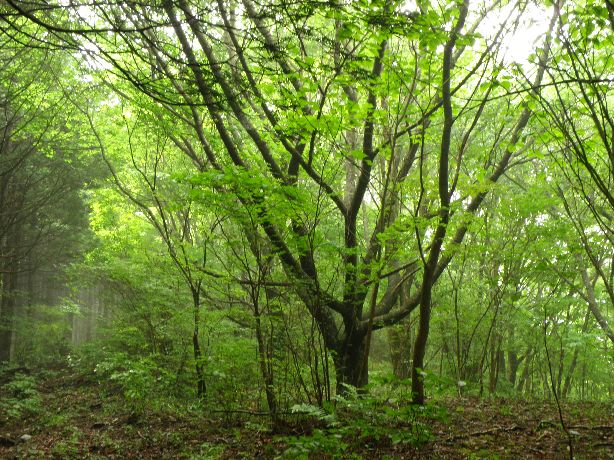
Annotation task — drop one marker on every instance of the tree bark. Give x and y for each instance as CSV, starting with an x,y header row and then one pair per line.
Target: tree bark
x,y
430,267
350,368
526,371
594,308
399,342
7,315
514,362
201,386
265,367
574,360
8,290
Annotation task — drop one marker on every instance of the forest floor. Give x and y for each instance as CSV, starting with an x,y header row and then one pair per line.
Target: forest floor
x,y
73,417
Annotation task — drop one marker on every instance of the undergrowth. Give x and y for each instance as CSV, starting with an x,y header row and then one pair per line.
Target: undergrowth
x,y
19,396
357,420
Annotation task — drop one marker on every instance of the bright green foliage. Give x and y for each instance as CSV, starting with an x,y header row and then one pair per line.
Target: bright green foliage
x,y
276,183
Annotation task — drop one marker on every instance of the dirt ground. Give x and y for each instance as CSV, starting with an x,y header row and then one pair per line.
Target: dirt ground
x,y
78,420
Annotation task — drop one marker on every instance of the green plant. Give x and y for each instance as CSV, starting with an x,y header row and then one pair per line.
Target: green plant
x,y
20,397
65,450
483,453
319,413
325,442
142,381
54,420
359,419
208,451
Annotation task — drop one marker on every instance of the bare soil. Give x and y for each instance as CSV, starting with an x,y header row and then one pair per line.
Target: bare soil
x,y
79,420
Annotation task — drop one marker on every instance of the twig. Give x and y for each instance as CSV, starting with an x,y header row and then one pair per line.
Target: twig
x,y
596,427
483,432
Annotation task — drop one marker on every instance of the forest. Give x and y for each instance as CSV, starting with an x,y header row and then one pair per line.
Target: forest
x,y
307,229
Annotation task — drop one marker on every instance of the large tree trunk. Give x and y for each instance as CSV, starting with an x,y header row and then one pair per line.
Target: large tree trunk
x,y
351,367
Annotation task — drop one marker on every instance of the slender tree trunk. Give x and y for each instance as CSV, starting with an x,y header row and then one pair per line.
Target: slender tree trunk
x,y
265,366
417,374
594,308
7,315
493,373
198,355
525,372
574,359
417,371
8,293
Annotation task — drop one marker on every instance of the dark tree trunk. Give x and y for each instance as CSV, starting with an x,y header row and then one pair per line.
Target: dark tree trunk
x,y
201,386
7,303
514,363
526,371
574,361
7,314
266,370
417,371
350,368
497,364
429,277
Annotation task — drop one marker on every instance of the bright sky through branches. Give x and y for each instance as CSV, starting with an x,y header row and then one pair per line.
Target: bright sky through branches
x,y
529,33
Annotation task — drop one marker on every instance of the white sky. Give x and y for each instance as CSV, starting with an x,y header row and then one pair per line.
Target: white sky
x,y
530,31
519,46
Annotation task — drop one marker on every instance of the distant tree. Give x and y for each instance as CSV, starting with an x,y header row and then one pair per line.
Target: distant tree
x,y
42,216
